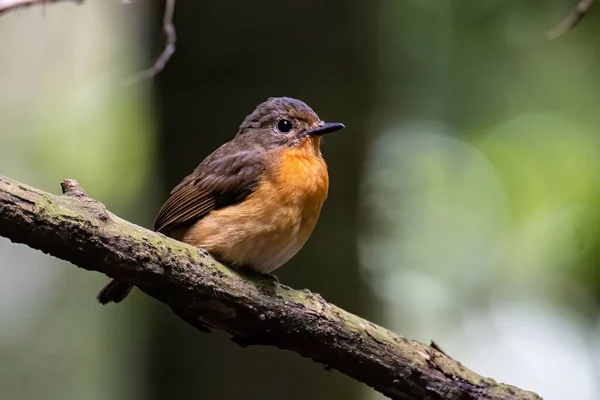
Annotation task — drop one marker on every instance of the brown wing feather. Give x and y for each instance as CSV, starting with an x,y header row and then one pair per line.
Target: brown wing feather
x,y
224,178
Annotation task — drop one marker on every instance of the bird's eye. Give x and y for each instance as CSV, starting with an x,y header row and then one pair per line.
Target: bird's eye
x,y
284,126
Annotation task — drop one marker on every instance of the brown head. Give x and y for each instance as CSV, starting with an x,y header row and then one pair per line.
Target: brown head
x,y
284,121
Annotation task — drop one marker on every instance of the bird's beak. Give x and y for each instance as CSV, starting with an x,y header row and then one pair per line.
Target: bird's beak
x,y
325,128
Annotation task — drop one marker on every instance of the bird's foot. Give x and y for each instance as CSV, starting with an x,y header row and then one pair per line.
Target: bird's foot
x,y
272,278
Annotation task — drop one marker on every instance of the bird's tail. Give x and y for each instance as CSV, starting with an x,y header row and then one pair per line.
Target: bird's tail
x,y
114,291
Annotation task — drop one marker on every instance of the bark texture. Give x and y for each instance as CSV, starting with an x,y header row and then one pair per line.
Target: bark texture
x,y
253,309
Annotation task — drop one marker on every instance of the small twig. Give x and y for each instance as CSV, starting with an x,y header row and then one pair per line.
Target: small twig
x,y
71,187
8,5
576,16
169,49
437,347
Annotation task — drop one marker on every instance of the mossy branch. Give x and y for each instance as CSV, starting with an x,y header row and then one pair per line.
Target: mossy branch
x,y
254,310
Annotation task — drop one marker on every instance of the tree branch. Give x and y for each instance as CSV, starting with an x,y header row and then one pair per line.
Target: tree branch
x,y
253,309
168,30
7,5
168,50
583,6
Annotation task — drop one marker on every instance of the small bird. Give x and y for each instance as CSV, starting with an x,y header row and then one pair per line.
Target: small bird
x,y
254,202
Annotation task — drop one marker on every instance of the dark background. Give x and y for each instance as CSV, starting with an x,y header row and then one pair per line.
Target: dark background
x,y
307,50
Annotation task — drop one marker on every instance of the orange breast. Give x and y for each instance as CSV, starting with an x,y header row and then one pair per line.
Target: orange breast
x,y
272,224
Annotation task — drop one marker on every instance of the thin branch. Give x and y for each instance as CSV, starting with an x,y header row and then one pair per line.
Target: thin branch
x,y
169,49
8,5
168,29
576,16
253,309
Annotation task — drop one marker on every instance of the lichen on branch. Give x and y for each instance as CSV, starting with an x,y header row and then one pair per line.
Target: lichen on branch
x,y
253,309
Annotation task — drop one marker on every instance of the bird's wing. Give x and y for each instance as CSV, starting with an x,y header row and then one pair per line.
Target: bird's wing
x,y
224,178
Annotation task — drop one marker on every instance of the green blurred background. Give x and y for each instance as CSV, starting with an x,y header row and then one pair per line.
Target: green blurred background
x,y
465,192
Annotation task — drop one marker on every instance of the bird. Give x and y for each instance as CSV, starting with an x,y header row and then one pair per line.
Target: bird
x,y
254,202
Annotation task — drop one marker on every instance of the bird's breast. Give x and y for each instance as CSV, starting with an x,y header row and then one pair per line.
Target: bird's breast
x,y
273,223
300,177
